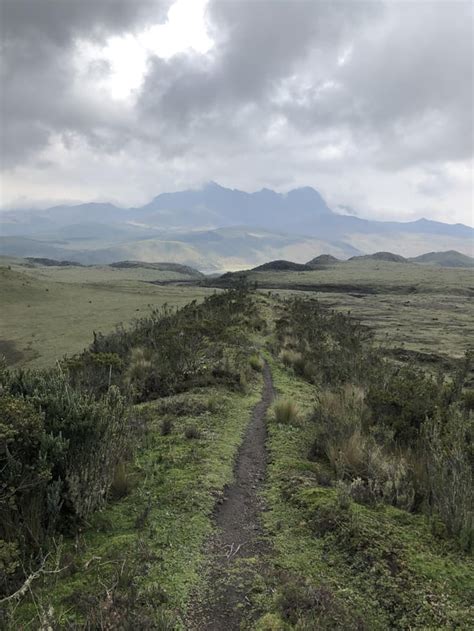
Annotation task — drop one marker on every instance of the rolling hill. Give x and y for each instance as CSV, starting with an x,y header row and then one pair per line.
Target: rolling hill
x,y
444,259
388,257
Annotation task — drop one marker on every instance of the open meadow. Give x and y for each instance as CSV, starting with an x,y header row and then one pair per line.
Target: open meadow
x,y
411,307
48,311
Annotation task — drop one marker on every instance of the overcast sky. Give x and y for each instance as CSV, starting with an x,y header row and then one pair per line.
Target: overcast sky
x,y
371,103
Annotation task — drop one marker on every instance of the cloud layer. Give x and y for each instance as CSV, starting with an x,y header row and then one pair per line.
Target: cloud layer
x,y
371,102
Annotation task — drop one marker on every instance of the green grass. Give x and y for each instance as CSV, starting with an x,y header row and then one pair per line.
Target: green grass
x,y
50,312
152,540
381,566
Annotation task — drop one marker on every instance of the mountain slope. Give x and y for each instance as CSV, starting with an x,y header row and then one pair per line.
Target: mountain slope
x,y
216,228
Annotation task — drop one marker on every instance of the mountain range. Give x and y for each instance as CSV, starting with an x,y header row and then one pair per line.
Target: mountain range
x,y
217,229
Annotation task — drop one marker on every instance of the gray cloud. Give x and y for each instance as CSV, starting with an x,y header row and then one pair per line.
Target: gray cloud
x,y
59,21
403,96
38,73
259,45
290,90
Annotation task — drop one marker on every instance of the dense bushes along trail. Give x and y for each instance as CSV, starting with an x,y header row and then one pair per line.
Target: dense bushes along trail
x,y
236,552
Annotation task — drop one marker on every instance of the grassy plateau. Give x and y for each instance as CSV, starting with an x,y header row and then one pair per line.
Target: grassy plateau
x,y
48,312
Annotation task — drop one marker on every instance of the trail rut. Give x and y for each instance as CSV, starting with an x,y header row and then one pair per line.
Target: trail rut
x,y
237,551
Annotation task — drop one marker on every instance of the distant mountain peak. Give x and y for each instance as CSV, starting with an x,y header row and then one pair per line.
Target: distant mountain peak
x,y
213,185
304,190
310,198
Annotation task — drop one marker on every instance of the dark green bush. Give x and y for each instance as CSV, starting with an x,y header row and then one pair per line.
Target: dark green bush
x,y
449,445
401,401
323,346
59,450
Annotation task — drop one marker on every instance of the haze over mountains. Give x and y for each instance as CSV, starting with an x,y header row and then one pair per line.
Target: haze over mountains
x,y
217,229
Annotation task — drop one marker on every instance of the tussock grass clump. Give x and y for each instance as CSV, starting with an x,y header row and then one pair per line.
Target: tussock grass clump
x,y
256,363
139,365
302,366
338,418
243,381
468,399
166,427
192,433
122,483
213,403
372,472
286,412
289,357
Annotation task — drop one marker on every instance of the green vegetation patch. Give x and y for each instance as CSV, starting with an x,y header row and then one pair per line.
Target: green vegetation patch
x,y
147,547
48,312
340,564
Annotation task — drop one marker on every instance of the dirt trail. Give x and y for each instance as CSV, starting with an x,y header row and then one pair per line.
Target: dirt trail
x,y
237,551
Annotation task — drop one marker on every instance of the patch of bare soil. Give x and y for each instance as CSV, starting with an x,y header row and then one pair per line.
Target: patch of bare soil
x,y
236,554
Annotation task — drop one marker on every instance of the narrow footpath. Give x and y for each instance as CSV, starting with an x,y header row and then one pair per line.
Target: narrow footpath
x,y
236,553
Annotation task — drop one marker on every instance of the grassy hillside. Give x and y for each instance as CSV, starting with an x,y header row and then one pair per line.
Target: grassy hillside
x,y
51,311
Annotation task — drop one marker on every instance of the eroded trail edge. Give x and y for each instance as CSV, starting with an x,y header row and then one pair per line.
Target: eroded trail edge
x,y
237,551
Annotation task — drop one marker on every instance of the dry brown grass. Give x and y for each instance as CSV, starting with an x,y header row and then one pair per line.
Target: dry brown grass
x,y
286,412
290,357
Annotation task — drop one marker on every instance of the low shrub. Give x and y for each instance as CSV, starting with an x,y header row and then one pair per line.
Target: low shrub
x,y
305,607
377,555
449,440
59,449
321,345
402,400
